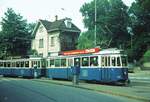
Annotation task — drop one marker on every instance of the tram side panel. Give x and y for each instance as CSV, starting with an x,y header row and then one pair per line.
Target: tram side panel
x,y
6,71
57,68
61,73
90,74
120,74
1,71
1,67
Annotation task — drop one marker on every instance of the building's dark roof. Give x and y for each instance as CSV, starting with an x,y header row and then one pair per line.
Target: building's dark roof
x,y
46,24
58,25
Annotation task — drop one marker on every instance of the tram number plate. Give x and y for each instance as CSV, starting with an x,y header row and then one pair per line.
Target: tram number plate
x,y
84,73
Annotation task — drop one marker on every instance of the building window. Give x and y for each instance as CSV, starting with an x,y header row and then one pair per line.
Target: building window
x,y
52,41
41,44
49,53
41,54
68,22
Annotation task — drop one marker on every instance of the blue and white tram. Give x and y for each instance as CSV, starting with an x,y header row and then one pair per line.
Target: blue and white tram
x,y
20,67
105,66
108,65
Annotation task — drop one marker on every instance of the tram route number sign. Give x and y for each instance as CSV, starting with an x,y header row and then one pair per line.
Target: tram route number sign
x,y
86,51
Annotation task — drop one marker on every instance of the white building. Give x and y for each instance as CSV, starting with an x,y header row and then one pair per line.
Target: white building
x,y
50,38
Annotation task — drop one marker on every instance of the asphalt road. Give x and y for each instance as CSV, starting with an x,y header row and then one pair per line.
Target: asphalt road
x,y
24,90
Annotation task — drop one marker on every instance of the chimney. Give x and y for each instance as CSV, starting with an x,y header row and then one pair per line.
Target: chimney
x,y
56,18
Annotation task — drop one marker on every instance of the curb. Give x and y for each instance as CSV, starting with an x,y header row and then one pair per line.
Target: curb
x,y
107,92
140,78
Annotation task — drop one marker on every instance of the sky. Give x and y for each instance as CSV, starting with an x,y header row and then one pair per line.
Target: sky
x,y
32,10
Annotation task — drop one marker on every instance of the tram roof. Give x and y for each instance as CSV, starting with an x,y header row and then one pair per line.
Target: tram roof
x,y
110,51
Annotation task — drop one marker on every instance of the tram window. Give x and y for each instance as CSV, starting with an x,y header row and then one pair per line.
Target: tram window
x,y
70,62
77,61
85,61
1,64
17,64
51,62
8,64
27,64
38,64
47,63
63,62
108,61
43,63
118,61
113,61
57,62
32,63
103,61
94,61
35,63
124,60
4,64
22,64
13,64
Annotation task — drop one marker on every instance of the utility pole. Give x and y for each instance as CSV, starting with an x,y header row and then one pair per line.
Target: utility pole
x,y
131,42
95,23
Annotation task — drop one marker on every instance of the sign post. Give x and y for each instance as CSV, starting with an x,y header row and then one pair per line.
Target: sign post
x,y
76,73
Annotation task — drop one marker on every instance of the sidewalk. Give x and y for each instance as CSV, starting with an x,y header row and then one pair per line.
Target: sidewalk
x,y
141,75
132,91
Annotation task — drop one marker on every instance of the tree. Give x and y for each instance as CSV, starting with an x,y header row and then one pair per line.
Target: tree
x,y
84,41
140,23
15,34
111,23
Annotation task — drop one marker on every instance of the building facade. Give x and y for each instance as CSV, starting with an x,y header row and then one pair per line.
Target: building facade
x,y
50,38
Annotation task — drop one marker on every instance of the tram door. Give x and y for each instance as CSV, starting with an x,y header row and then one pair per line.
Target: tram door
x,y
70,63
105,73
43,67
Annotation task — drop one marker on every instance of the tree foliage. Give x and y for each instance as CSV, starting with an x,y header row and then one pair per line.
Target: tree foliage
x,y
140,22
15,35
84,41
118,26
111,23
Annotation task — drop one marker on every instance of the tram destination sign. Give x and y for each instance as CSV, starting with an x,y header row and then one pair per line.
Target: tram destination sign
x,y
85,51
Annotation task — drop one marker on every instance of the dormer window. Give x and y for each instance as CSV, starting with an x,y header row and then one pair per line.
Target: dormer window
x,y
68,22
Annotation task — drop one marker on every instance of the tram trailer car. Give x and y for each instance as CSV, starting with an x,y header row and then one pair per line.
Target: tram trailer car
x,y
106,66
21,67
